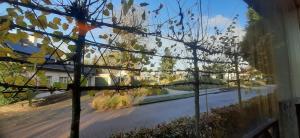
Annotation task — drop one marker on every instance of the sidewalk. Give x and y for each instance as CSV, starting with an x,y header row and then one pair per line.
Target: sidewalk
x,y
174,95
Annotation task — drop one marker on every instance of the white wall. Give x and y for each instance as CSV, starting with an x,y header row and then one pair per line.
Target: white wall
x,y
55,75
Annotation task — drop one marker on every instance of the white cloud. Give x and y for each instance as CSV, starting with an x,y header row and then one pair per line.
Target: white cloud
x,y
219,20
223,22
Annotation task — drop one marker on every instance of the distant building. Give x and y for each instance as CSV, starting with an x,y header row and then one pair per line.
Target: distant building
x,y
57,73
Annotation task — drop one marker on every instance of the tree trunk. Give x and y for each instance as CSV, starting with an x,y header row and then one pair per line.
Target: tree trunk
x,y
196,89
76,92
238,79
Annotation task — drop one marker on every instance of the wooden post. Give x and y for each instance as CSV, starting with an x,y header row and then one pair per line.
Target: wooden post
x,y
196,90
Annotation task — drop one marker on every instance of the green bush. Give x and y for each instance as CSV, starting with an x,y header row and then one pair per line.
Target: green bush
x,y
9,98
136,83
5,100
116,101
91,93
110,100
148,92
60,85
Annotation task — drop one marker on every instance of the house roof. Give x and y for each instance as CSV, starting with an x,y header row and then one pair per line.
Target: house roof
x,y
29,49
24,49
61,68
66,68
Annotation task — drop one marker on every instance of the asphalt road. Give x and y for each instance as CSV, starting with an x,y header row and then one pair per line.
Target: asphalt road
x,y
103,124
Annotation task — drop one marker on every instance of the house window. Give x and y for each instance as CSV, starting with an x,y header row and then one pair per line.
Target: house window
x,y
63,79
49,80
90,81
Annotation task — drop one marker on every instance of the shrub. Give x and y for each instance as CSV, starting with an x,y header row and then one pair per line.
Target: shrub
x,y
5,100
110,100
149,92
116,101
59,85
8,98
91,93
136,83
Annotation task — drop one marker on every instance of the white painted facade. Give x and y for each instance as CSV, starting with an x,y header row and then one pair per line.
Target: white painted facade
x,y
56,76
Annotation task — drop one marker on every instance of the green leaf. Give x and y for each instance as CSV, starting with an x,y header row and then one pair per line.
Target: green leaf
x,y
53,26
110,6
31,17
105,36
59,33
56,39
72,48
106,12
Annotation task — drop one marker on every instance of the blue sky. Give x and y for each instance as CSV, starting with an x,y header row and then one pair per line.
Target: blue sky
x,y
216,12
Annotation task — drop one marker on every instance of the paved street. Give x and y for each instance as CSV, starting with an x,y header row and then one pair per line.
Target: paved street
x,y
101,124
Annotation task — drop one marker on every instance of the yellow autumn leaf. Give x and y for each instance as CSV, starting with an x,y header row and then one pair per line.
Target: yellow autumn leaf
x,y
5,51
20,21
4,25
38,58
56,20
47,1
22,35
43,20
37,35
11,12
13,38
65,26
69,19
26,1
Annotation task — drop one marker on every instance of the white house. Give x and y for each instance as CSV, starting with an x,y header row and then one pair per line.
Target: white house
x,y
56,73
